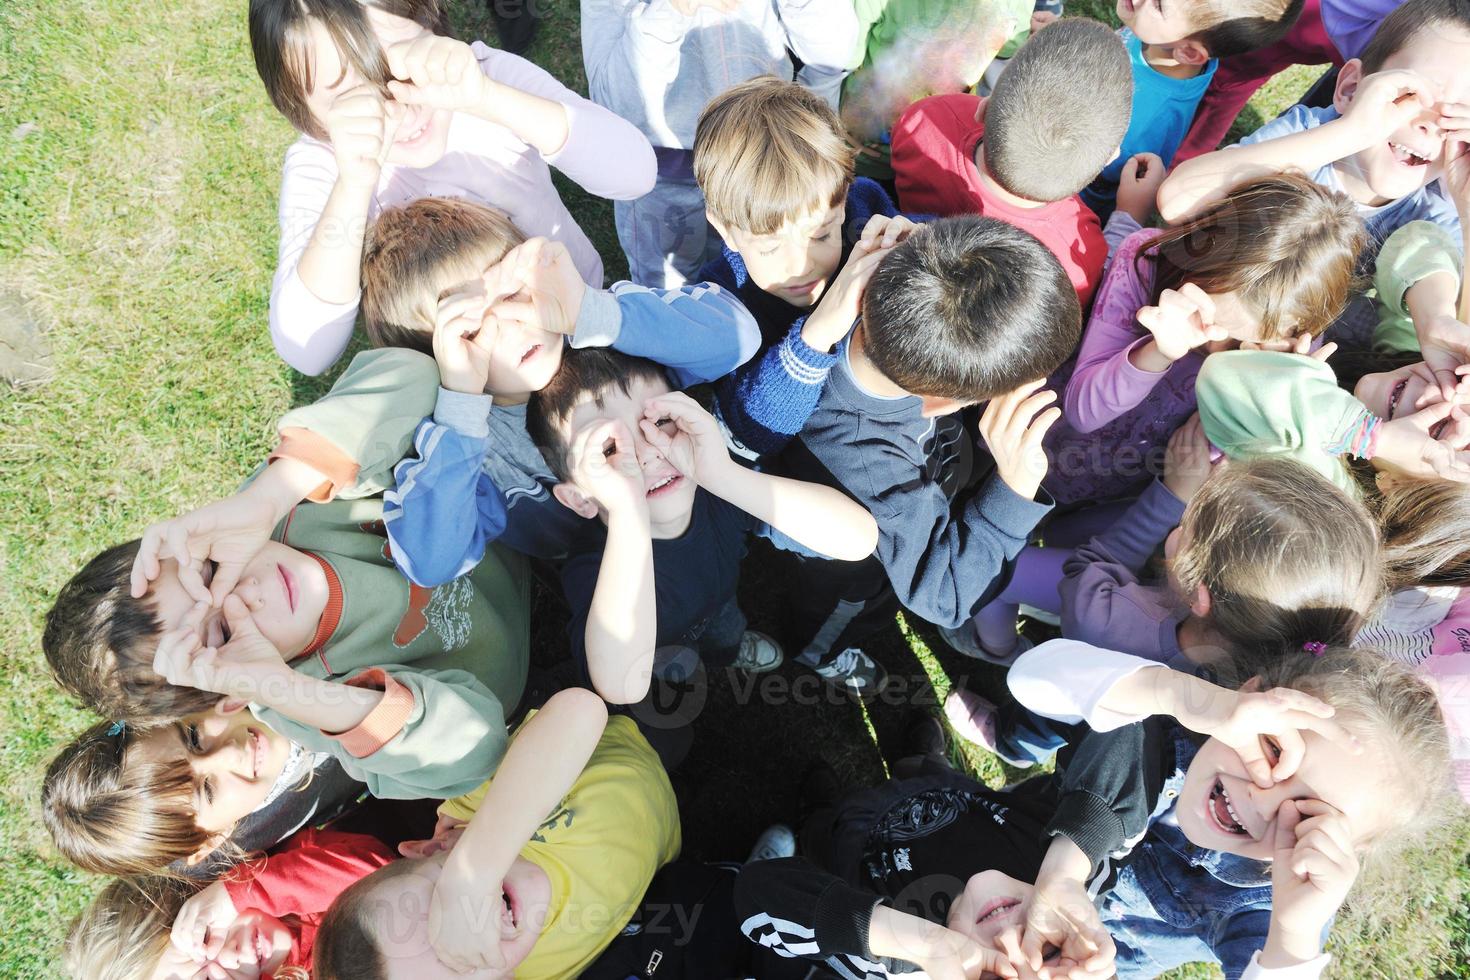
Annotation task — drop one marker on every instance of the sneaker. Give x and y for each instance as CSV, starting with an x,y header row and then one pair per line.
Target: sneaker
x,y
974,719
925,736
966,640
758,653
856,672
1040,615
675,664
776,841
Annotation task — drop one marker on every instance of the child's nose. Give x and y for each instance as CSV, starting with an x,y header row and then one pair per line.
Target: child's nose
x,y
248,591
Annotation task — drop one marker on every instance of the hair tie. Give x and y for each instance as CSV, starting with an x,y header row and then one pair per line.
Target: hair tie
x,y
1315,647
116,728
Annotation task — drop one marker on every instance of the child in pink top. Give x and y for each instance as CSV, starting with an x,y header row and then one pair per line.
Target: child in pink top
x,y
1271,264
391,110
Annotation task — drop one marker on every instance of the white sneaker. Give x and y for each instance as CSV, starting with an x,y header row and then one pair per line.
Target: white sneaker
x,y
966,640
758,653
855,671
776,841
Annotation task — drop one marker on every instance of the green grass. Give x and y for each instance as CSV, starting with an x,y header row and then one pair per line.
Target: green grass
x,y
139,162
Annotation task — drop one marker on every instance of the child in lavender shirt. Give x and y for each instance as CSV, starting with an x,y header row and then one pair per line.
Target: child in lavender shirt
x,y
391,110
1270,264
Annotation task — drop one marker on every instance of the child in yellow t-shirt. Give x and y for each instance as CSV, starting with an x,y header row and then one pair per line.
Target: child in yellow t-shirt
x,y
534,873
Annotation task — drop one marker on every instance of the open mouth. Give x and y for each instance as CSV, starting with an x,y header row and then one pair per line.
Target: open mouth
x,y
512,919
531,352
1407,156
997,908
1393,398
262,947
665,485
420,122
257,752
1222,811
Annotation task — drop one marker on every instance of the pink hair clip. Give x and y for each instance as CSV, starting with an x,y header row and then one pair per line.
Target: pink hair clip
x,y
1315,648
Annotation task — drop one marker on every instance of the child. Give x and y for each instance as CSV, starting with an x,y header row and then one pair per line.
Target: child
x,y
1176,879
651,464
658,65
456,281
1396,114
1272,262
1054,120
390,109
259,921
775,167
545,863
963,311
1418,280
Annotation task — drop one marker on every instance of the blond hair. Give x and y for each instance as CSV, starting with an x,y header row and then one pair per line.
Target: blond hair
x,y
111,816
125,931
416,251
767,151
1286,556
1426,534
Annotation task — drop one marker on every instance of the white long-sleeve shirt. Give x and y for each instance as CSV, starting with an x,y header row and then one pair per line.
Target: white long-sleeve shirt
x,y
482,162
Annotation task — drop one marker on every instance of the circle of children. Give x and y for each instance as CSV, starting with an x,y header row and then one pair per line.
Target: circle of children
x,y
1087,338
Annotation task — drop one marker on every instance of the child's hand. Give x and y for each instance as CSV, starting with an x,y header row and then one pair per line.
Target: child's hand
x,y
1040,18
838,309
241,668
1454,123
361,127
958,957
1265,729
1187,460
1139,183
605,467
1313,869
228,532
204,919
447,832
541,285
1429,444
468,920
702,453
464,337
438,72
1064,930
1012,426
883,231
1183,320
1386,102
1445,343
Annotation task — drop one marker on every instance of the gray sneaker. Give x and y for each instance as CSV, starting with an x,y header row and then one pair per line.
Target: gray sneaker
x,y
856,672
966,640
776,841
758,653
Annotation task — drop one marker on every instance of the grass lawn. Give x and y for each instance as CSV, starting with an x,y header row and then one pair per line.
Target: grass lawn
x,y
139,162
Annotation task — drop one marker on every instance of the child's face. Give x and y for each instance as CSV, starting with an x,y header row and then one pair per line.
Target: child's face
x,y
1157,21
1393,394
235,759
1240,321
795,262
255,945
284,590
669,492
1220,808
524,359
1414,156
422,134
399,914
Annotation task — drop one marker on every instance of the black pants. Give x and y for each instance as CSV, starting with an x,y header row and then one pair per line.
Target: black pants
x,y
833,605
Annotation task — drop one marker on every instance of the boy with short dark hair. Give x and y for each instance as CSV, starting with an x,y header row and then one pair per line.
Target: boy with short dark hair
x,y
653,466
1054,120
1399,115
966,310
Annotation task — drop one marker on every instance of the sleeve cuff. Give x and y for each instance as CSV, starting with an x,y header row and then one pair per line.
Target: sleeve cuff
x,y
321,455
1310,970
599,320
1088,822
467,414
842,918
1135,373
385,721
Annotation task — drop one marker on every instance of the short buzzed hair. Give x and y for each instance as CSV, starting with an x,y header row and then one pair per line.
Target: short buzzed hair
x,y
588,371
416,251
1058,114
767,151
1406,22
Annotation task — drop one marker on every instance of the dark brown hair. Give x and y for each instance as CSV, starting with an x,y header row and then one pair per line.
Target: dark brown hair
x,y
346,946
280,35
99,642
1405,22
1286,245
1240,26
589,371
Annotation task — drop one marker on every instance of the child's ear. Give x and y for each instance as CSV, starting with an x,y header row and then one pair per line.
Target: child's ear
x,y
1348,80
575,500
1202,603
934,406
1191,52
230,706
719,228
1252,686
980,105
205,850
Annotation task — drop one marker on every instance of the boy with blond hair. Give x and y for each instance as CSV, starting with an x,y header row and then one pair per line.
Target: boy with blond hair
x,y
456,281
801,237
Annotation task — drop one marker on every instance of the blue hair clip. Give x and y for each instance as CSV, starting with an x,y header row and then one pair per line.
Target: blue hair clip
x,y
116,728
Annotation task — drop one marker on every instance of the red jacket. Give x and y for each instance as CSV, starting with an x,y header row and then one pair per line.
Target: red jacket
x,y
934,166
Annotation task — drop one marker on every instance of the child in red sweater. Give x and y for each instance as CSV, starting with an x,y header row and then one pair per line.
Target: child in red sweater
x,y
260,920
